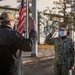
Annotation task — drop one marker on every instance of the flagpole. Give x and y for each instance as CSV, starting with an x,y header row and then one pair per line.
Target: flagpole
x,y
34,15
27,18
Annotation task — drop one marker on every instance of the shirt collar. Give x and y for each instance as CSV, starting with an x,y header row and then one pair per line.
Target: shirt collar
x,y
5,26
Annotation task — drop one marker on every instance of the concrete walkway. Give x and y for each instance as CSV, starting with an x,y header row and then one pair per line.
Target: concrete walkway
x,y
42,55
41,65
44,59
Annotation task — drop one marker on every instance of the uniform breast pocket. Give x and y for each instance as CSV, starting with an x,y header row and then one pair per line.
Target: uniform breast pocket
x,y
68,46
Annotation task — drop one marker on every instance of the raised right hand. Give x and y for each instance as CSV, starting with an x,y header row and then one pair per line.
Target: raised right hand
x,y
53,29
31,23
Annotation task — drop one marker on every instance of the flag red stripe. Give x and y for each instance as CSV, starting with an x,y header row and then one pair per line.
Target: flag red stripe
x,y
21,29
21,18
21,26
20,23
22,10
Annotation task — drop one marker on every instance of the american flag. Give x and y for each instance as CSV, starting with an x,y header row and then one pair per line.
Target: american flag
x,y
22,11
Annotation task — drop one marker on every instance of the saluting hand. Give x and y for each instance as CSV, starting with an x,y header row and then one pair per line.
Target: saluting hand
x,y
53,29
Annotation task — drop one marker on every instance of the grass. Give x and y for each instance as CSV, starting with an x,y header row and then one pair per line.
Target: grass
x,y
48,47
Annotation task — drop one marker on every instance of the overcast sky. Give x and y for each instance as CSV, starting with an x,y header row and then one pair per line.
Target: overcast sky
x,y
13,3
41,4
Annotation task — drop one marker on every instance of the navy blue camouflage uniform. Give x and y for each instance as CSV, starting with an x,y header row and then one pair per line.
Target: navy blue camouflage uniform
x,y
64,54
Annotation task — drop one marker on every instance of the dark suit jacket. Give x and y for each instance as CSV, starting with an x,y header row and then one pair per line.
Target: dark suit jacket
x,y
11,45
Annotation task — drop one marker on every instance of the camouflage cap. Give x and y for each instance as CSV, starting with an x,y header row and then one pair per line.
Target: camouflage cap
x,y
62,27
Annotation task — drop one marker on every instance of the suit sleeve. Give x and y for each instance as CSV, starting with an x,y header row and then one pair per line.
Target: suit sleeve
x,y
25,44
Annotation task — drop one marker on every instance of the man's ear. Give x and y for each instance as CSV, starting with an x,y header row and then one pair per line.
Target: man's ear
x,y
68,32
9,23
